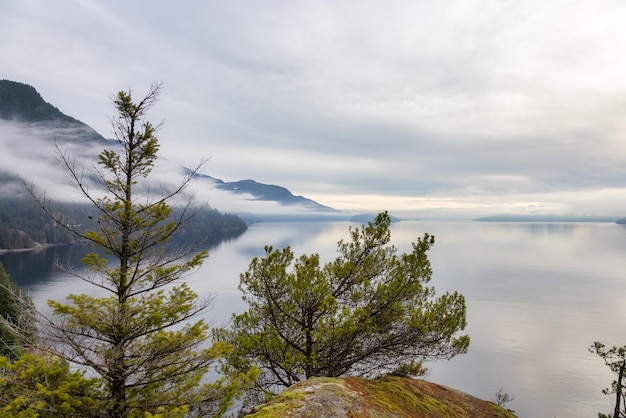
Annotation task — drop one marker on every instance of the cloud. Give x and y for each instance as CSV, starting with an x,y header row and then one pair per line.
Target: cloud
x,y
33,152
467,102
29,153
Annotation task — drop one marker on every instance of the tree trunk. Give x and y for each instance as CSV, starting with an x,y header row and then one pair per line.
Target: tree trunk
x,y
618,391
118,395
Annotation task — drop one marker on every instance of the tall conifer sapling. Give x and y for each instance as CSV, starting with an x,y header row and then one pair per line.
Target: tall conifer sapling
x,y
138,338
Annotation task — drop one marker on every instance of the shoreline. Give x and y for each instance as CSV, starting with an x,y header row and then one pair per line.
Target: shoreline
x,y
37,247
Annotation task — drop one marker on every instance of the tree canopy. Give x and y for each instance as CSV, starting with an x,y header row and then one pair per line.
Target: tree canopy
x,y
16,313
45,387
367,312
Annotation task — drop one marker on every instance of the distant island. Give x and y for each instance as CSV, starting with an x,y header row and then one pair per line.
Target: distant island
x,y
369,217
549,218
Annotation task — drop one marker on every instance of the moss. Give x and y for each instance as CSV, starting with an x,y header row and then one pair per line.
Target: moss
x,y
389,394
279,406
387,397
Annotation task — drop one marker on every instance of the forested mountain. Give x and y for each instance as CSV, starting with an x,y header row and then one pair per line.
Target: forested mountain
x,y
267,192
22,102
30,124
24,225
31,128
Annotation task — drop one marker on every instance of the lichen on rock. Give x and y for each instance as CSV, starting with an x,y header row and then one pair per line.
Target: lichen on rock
x,y
387,397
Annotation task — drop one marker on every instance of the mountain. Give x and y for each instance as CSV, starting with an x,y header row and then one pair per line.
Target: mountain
x,y
364,218
545,218
266,192
31,129
22,103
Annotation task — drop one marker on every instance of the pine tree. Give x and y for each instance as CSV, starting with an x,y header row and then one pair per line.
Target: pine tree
x,y
16,312
368,312
45,387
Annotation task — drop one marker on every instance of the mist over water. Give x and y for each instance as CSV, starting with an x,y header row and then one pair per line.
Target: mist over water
x,y
538,295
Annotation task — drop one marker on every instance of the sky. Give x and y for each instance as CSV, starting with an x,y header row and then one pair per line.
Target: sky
x,y
417,107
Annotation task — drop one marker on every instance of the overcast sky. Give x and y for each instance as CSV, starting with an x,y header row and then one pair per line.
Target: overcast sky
x,y
494,106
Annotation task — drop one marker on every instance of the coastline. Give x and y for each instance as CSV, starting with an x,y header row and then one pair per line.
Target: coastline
x,y
37,247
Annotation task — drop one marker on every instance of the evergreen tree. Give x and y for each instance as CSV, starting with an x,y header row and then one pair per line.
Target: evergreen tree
x,y
45,387
16,312
139,338
615,359
367,312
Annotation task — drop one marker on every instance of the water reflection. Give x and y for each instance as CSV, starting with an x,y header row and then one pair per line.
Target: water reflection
x,y
39,266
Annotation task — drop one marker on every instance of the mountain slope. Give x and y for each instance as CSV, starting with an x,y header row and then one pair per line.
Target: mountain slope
x,y
22,102
30,128
32,133
266,192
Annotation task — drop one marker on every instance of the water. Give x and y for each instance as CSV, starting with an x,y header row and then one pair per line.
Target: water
x,y
538,295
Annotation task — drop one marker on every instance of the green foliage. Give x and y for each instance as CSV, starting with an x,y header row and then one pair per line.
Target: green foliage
x,y
368,311
615,359
140,338
45,387
410,369
15,317
209,226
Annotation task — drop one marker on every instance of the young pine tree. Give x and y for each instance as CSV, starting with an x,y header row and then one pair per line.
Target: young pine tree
x,y
369,311
138,338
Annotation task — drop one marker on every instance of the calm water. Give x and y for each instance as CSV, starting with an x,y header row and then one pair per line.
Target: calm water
x,y
538,296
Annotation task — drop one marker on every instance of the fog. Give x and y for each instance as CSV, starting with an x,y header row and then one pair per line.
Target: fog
x,y
33,153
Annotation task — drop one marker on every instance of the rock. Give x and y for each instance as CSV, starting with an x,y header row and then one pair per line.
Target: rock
x,y
387,397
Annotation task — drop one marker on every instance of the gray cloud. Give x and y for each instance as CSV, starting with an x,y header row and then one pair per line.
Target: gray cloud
x,y
495,105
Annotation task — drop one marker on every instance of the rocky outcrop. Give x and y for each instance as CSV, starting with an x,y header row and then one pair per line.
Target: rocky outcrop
x,y
387,397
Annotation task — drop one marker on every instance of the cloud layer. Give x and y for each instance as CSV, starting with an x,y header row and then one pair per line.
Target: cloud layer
x,y
487,106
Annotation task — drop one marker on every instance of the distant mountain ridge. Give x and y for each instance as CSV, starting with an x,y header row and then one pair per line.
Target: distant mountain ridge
x,y
546,218
364,218
22,103
267,192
